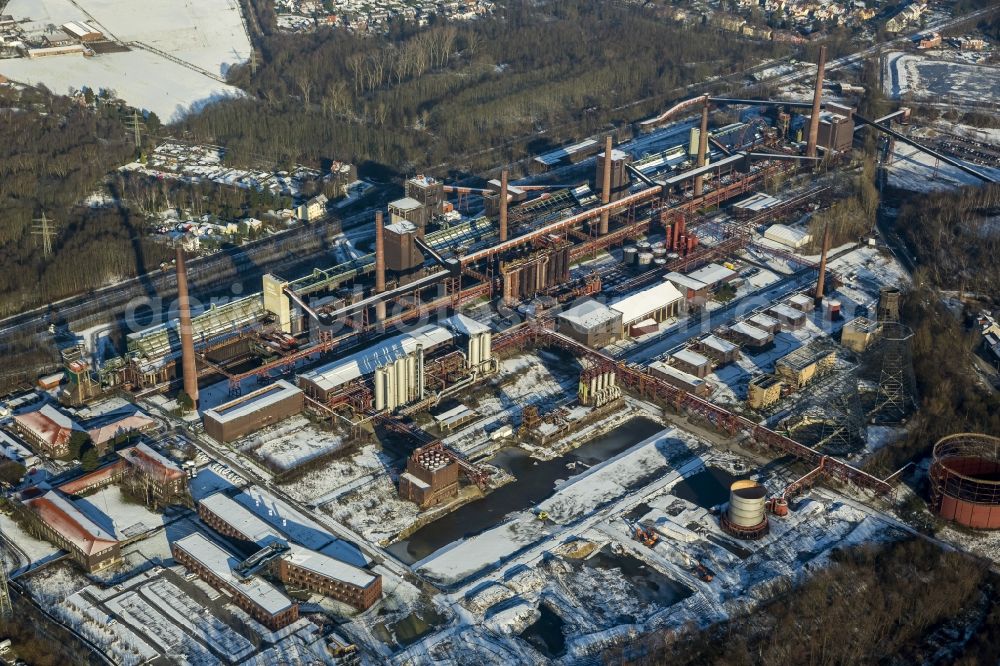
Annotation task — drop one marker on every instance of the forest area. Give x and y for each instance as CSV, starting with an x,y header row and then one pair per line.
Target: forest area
x,y
54,152
918,602
416,99
955,238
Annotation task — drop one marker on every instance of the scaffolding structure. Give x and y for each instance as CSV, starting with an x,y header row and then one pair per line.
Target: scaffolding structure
x,y
895,399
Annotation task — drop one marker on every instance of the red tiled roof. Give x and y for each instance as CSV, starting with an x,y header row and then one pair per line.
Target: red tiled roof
x,y
67,520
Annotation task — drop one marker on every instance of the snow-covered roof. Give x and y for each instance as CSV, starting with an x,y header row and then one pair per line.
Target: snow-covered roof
x,y
749,331
691,358
406,203
252,402
416,481
12,449
464,325
221,563
328,567
800,299
712,274
401,227
48,424
151,462
240,519
588,313
792,237
757,202
762,320
718,344
562,153
787,312
687,378
639,305
684,281
131,423
59,514
365,362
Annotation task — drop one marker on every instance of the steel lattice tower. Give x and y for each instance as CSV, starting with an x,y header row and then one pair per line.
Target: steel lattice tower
x,y
895,392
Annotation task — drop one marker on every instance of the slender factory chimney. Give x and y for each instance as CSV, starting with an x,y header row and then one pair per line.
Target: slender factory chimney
x,y
606,186
379,265
188,368
503,205
818,299
699,181
817,96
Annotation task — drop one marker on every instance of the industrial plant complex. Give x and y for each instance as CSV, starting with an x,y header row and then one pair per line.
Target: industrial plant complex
x,y
627,385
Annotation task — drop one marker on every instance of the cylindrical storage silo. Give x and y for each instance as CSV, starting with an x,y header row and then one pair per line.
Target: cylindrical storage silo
x,y
628,255
660,263
659,252
746,517
486,347
645,258
693,138
643,246
380,382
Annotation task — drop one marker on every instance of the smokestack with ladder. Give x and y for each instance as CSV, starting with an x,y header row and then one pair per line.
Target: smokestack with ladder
x,y
817,97
820,286
503,205
189,369
379,265
606,186
699,181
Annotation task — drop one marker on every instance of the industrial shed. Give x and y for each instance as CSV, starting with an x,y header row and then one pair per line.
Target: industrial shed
x,y
253,411
694,291
591,323
680,379
659,302
859,333
713,275
765,323
324,381
789,317
719,350
692,363
801,302
763,391
791,237
750,336
805,363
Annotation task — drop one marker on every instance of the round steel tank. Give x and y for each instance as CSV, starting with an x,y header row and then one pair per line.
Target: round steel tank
x,y
746,517
659,262
629,255
643,246
659,252
965,479
645,258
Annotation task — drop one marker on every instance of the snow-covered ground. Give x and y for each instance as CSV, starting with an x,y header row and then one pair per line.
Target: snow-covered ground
x,y
933,79
291,443
917,171
202,41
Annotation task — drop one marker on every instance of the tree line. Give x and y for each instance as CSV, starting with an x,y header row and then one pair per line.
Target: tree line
x,y
54,153
416,98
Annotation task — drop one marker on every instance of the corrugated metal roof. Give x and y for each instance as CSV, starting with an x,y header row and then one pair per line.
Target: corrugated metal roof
x,y
640,304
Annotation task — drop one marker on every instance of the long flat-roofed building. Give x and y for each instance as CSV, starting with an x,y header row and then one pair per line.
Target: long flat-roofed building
x,y
264,602
659,303
713,275
680,379
325,575
230,518
322,382
789,317
66,526
253,411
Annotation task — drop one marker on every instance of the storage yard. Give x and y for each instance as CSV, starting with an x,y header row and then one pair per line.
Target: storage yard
x,y
535,421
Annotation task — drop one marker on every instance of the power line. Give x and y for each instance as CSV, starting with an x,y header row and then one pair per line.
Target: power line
x,y
45,228
135,126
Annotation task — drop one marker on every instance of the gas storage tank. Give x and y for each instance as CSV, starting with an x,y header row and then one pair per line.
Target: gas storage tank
x,y
746,517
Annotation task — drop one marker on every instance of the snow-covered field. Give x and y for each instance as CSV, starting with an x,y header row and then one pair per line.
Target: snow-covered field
x,y
291,443
939,80
916,171
202,41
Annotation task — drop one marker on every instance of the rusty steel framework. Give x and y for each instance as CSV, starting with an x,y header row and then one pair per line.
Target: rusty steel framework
x,y
540,333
